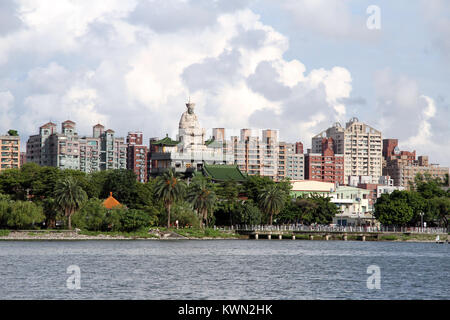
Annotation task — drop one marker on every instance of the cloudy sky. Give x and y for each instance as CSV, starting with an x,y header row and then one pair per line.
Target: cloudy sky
x,y
293,65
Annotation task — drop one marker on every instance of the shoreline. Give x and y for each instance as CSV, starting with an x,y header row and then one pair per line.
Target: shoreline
x,y
162,236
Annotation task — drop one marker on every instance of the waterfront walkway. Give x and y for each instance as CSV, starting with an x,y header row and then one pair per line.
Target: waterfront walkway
x,y
332,232
349,229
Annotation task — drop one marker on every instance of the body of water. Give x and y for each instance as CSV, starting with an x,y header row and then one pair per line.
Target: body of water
x,y
223,269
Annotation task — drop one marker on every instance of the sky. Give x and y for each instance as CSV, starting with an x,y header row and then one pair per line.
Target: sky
x,y
297,66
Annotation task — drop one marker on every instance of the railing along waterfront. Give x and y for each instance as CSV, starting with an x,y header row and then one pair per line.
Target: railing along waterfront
x,y
326,228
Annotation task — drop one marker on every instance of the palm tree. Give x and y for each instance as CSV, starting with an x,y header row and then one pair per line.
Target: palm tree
x,y
69,196
202,196
272,200
170,189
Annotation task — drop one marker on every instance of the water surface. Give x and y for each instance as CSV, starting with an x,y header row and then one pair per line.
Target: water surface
x,y
223,269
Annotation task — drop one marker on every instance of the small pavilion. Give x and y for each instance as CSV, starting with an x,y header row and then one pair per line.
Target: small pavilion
x,y
111,202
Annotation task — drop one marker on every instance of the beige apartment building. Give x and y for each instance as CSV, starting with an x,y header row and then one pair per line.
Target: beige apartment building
x,y
253,155
403,170
10,152
291,164
360,144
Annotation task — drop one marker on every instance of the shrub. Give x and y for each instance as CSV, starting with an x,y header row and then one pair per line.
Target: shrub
x,y
92,216
133,220
185,215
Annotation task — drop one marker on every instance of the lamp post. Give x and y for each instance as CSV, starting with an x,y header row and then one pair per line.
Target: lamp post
x,y
421,221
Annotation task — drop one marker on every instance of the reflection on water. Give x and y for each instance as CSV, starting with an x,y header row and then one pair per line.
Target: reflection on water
x,y
223,269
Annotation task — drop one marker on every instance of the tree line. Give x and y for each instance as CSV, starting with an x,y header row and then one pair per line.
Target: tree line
x,y
426,201
39,197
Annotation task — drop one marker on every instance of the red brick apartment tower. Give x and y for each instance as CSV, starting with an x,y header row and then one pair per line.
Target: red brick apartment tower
x,y
137,155
327,166
389,146
298,147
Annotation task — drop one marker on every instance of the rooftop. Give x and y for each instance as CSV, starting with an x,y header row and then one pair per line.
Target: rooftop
x,y
111,202
165,142
224,172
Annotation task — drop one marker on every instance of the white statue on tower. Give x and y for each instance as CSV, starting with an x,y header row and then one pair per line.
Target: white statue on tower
x,y
191,135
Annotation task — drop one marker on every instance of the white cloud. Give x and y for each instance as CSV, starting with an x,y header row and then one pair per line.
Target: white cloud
x,y
331,18
436,15
99,63
410,116
6,107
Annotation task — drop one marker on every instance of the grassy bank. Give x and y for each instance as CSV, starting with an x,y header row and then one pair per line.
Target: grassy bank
x,y
4,233
154,233
205,233
412,237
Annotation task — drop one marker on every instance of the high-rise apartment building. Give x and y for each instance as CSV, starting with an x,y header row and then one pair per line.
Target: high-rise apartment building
x,y
299,147
360,144
256,156
137,155
66,150
10,152
402,166
50,148
291,164
325,166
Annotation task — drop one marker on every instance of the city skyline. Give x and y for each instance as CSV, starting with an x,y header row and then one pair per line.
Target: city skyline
x,y
229,132
256,63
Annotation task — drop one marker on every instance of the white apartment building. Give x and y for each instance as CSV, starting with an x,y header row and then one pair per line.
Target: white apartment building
x,y
360,144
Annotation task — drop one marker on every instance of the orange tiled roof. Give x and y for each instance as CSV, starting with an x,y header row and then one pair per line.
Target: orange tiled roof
x,y
111,202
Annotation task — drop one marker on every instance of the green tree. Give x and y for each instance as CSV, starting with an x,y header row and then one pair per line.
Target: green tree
x,y
248,213
97,181
144,196
428,187
290,213
91,216
272,200
441,209
255,185
4,212
11,183
12,132
228,199
324,210
20,214
69,196
202,197
51,212
307,208
123,184
41,182
394,211
169,188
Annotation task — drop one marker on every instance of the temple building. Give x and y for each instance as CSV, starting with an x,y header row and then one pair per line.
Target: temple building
x,y
190,151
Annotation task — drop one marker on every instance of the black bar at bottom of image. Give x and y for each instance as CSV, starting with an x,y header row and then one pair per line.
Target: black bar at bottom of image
x,y
226,309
